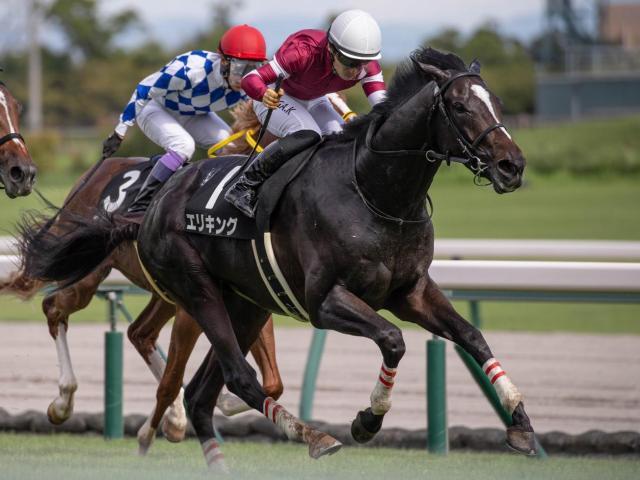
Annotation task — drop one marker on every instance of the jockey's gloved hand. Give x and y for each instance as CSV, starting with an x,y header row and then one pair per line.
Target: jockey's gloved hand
x,y
111,145
271,98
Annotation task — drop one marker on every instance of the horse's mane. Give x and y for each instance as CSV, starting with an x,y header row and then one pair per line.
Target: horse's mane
x,y
407,80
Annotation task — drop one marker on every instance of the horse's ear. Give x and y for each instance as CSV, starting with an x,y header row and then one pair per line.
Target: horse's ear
x,y
474,67
432,72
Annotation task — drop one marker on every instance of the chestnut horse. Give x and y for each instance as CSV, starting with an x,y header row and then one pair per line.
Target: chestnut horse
x,y
85,197
17,170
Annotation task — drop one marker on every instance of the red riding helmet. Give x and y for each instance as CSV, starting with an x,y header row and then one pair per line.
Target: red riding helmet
x,y
244,42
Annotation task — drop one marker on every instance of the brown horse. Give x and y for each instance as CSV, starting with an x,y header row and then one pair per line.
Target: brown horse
x,y
144,332
17,170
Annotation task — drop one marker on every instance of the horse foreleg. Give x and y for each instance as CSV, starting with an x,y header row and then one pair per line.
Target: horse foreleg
x,y
143,333
57,307
264,353
427,306
342,311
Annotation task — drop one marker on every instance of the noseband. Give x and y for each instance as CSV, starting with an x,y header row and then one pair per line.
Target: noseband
x,y
11,136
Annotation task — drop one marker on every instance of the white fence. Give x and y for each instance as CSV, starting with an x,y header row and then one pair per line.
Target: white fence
x,y
621,276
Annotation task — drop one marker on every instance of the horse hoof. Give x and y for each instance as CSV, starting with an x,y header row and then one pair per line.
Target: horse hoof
x,y
521,441
365,426
174,431
146,435
323,444
57,415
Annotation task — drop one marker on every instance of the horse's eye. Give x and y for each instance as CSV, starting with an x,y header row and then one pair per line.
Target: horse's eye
x,y
458,107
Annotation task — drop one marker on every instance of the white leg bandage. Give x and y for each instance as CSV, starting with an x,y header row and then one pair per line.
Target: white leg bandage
x,y
213,455
381,395
289,424
509,395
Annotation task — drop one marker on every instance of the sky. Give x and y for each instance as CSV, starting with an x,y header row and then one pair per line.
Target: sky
x,y
404,23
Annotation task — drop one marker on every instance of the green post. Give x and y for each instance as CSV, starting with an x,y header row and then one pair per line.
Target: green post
x,y
113,419
437,433
474,310
490,392
311,374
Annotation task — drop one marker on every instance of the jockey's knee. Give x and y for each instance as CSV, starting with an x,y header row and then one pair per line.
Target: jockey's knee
x,y
184,148
298,141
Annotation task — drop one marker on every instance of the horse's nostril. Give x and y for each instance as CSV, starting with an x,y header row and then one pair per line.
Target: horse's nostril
x,y
32,174
16,174
507,168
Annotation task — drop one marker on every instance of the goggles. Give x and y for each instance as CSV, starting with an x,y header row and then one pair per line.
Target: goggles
x,y
239,68
347,61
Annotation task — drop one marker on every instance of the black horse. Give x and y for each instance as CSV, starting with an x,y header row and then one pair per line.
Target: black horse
x,y
351,234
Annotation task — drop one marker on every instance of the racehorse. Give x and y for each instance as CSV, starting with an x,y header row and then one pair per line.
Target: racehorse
x,y
351,235
17,170
84,198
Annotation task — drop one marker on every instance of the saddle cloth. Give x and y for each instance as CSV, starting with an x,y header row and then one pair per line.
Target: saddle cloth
x,y
124,187
208,213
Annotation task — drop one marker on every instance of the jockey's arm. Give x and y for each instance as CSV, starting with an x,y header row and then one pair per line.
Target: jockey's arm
x,y
373,83
340,106
157,85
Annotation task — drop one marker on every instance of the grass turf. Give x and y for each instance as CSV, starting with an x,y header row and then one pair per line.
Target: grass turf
x,y
69,457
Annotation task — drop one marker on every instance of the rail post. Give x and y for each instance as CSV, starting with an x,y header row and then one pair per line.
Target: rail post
x,y
437,431
113,418
311,373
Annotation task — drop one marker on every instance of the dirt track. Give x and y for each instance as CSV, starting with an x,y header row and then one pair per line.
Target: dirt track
x,y
572,383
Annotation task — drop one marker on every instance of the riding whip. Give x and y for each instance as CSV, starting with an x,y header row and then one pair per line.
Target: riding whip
x,y
263,129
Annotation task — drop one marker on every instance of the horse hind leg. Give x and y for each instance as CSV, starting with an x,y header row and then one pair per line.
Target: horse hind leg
x,y
57,307
263,351
245,321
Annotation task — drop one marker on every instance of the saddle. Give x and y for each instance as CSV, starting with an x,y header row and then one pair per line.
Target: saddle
x,y
207,213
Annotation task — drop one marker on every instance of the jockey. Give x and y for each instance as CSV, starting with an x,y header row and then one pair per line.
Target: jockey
x,y
313,63
176,106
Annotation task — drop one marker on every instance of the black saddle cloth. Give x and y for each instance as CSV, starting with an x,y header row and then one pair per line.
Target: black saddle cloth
x,y
124,187
208,213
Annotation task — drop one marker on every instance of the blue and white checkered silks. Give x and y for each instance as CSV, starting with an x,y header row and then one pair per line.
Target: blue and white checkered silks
x,y
190,84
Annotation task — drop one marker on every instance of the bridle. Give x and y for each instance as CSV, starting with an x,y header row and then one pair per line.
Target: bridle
x,y
11,136
469,148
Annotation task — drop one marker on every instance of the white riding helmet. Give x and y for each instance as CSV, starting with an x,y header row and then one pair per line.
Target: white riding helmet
x,y
356,35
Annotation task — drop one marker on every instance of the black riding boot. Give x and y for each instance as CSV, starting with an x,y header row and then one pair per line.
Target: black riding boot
x,y
149,188
243,194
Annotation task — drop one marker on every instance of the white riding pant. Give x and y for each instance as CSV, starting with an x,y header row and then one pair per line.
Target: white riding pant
x,y
294,114
181,133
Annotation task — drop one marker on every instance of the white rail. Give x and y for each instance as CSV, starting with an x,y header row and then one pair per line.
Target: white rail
x,y
496,275
507,249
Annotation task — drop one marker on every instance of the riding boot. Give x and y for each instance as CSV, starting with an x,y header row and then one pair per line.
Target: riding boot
x,y
149,188
162,170
243,194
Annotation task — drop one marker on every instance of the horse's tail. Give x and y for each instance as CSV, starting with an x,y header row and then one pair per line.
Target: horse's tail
x,y
74,250
20,285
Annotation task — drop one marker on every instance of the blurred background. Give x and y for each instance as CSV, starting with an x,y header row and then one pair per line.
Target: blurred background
x,y
568,74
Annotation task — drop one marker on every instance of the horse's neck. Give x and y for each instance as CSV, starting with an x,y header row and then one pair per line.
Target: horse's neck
x,y
398,184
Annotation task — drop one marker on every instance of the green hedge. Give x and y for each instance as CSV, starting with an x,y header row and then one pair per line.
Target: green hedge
x,y
594,147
